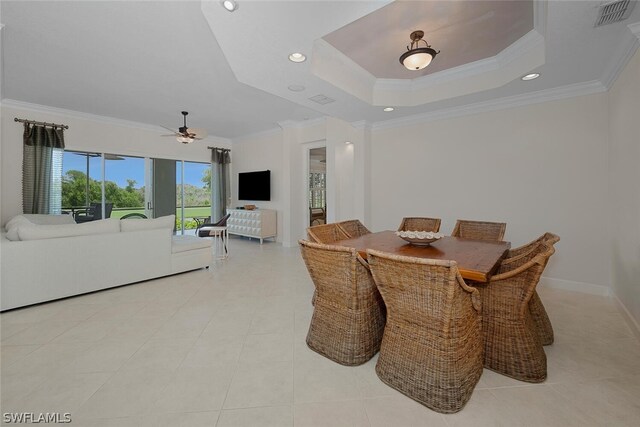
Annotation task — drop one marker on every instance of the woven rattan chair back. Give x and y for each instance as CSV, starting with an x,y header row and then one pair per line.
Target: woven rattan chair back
x,y
349,315
326,233
520,256
512,342
549,238
419,224
432,345
354,228
479,230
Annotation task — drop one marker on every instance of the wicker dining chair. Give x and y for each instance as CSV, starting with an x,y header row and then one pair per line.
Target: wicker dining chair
x,y
354,228
549,238
419,224
479,230
349,315
520,256
326,233
512,344
432,345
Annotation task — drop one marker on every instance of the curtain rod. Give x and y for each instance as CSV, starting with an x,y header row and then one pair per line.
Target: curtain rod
x,y
221,149
33,122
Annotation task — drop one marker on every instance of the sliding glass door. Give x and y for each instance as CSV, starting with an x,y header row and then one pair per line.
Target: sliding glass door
x,y
193,195
125,185
81,180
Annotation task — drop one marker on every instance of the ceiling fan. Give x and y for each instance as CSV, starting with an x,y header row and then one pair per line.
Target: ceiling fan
x,y
185,134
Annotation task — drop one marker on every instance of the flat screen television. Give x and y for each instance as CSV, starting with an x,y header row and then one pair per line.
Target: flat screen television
x,y
254,185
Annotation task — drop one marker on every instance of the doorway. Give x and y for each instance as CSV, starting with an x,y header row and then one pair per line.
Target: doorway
x,y
317,186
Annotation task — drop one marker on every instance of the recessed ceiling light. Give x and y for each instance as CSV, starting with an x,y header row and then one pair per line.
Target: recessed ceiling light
x,y
387,109
296,88
297,57
531,76
348,142
230,5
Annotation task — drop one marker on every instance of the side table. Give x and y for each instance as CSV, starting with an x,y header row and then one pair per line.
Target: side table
x,y
220,239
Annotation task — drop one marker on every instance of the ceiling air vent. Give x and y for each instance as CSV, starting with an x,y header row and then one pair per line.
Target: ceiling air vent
x,y
321,99
614,11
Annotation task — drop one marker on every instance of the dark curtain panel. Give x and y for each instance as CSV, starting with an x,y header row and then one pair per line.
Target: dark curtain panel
x,y
42,169
220,160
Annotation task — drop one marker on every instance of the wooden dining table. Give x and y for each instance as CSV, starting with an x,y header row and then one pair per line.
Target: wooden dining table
x,y
477,259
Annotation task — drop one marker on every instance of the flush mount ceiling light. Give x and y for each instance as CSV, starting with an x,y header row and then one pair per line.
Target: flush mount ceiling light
x,y
531,76
416,57
297,57
388,109
296,88
230,5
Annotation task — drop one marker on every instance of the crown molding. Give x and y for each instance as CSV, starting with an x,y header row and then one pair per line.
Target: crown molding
x,y
261,134
540,16
45,109
362,124
303,124
635,29
553,94
626,49
285,124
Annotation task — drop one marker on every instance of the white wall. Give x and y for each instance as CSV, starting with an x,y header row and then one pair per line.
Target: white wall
x,y
86,133
624,186
538,168
284,152
261,153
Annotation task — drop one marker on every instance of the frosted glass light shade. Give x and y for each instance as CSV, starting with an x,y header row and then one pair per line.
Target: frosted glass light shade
x,y
184,139
417,60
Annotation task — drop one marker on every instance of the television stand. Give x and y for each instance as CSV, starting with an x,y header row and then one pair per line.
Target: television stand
x,y
258,223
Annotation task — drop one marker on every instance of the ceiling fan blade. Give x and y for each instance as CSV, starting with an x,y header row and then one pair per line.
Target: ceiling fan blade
x,y
198,133
170,130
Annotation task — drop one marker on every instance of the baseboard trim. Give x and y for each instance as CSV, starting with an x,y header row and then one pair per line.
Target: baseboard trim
x,y
570,285
631,321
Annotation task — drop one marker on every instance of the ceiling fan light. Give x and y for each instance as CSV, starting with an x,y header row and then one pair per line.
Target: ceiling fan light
x,y
185,140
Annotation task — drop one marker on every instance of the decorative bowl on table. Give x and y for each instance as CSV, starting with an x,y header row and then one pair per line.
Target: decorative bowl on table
x,y
419,238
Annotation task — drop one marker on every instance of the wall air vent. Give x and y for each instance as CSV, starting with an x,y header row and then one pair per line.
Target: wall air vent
x,y
614,11
321,99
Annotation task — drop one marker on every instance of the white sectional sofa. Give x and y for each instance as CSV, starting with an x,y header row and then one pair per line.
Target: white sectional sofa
x,y
56,258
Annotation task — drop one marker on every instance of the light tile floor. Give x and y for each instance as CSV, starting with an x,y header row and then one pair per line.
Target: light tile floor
x,y
226,347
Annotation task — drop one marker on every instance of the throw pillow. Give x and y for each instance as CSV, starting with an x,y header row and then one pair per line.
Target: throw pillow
x,y
37,232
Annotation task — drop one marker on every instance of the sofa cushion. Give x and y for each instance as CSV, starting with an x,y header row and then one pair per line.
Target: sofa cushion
x,y
37,232
168,221
29,219
39,220
188,243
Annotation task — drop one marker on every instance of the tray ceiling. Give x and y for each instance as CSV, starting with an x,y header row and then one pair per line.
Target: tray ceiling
x,y
464,32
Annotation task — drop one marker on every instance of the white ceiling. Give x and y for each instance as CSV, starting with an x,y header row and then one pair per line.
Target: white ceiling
x,y
147,61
